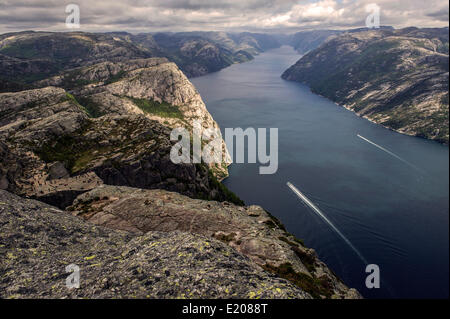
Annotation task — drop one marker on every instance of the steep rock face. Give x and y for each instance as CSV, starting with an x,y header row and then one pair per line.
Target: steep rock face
x,y
249,230
51,148
397,78
39,114
38,242
153,87
28,120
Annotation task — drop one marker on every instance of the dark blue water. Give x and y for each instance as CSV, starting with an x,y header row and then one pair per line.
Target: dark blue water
x,y
395,215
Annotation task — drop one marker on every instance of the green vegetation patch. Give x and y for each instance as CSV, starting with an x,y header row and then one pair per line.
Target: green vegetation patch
x,y
115,78
72,98
66,150
25,51
78,150
316,287
87,104
229,195
92,107
307,259
73,151
296,243
275,222
163,109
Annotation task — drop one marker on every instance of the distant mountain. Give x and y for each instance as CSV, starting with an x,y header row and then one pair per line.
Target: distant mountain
x,y
199,53
309,40
397,78
26,57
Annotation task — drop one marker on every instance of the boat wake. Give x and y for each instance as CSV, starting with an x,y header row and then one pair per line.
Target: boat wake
x,y
324,218
390,153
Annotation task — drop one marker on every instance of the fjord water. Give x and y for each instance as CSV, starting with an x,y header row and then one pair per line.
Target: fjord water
x,y
395,215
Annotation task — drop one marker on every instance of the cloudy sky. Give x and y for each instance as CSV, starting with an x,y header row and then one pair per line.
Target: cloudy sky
x,y
218,15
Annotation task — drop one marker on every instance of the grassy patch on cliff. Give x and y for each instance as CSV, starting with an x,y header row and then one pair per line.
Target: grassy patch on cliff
x,y
71,151
91,107
275,222
87,105
316,287
160,109
61,151
20,51
115,78
229,195
72,98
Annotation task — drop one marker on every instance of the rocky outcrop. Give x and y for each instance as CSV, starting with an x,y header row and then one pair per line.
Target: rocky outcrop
x,y
49,144
396,78
38,242
153,87
249,230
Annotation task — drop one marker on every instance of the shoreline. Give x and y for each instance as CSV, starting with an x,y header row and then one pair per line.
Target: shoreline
x,y
371,120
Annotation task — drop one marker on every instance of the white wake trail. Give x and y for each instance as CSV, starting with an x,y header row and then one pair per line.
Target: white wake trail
x,y
389,152
319,212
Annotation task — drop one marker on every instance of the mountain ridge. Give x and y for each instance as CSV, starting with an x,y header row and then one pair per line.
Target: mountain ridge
x,y
396,78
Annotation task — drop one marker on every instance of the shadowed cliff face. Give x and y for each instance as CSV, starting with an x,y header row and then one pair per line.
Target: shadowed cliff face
x,y
53,149
395,78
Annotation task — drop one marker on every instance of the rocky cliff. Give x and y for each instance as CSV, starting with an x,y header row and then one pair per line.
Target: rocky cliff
x,y
93,141
52,149
154,244
397,78
152,87
38,242
251,231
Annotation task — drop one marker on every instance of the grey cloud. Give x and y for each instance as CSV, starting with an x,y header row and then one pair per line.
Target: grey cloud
x,y
233,15
441,15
